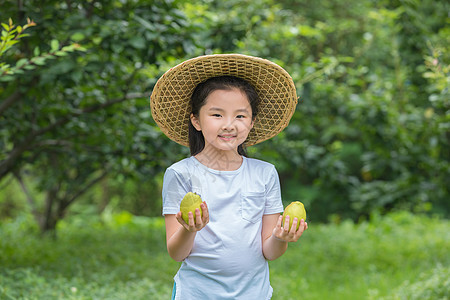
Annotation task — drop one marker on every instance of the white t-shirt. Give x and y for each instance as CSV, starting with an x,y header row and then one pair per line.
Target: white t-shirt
x,y
226,261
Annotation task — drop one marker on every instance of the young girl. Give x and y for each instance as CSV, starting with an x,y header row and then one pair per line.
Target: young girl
x,y
216,105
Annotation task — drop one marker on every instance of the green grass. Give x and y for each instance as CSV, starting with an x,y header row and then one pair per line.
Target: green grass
x,y
366,261
400,256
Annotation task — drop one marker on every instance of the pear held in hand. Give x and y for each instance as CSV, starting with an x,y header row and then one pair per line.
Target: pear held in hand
x,y
294,210
190,202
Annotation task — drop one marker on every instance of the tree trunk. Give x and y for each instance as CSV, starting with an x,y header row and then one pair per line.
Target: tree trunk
x,y
49,221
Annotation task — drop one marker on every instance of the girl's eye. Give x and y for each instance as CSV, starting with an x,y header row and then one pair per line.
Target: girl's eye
x,y
240,116
216,115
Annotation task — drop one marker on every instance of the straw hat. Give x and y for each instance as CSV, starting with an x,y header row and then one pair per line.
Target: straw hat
x,y
170,99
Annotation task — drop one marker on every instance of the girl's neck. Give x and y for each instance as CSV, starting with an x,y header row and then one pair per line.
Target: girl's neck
x,y
220,160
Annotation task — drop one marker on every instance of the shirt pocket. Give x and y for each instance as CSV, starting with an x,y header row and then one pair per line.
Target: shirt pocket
x,y
252,206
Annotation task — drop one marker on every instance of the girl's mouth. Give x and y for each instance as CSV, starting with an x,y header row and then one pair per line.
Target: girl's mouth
x,y
227,137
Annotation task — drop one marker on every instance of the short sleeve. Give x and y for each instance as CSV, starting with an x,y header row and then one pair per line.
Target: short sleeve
x,y
274,202
174,188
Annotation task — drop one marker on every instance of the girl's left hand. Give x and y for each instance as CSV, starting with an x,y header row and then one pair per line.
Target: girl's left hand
x,y
286,235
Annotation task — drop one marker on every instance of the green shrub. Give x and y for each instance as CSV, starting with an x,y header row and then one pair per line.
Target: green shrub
x,y
430,285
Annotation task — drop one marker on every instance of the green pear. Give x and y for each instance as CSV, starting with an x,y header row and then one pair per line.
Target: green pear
x,y
190,202
294,210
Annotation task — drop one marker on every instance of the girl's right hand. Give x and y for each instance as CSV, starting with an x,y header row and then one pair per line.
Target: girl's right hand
x,y
200,221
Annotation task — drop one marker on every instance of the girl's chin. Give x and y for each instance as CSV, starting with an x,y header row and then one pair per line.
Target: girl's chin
x,y
224,145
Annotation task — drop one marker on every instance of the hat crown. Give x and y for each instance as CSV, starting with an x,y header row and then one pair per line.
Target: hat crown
x,y
170,99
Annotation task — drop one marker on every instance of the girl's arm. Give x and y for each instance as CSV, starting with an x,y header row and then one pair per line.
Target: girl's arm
x,y
180,236
275,238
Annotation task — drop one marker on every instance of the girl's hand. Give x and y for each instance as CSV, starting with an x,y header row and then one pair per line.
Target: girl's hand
x,y
200,221
286,235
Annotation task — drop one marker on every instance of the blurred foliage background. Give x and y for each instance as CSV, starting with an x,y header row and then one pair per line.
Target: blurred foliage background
x,y
367,150
371,131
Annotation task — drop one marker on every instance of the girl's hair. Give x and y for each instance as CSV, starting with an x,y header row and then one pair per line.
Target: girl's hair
x,y
198,99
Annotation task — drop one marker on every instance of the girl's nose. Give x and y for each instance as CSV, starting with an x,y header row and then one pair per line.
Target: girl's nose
x,y
228,124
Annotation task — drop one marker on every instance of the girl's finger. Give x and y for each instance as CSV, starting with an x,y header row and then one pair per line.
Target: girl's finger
x,y
205,212
198,219
304,225
301,229
294,225
286,224
191,219
280,220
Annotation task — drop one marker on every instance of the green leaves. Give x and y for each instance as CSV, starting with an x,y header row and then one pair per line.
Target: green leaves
x,y
86,115
11,36
370,130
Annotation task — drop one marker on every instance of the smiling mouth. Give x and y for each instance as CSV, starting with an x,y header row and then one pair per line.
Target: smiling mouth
x,y
227,137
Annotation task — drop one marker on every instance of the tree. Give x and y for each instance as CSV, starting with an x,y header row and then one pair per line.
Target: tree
x,y
86,116
370,131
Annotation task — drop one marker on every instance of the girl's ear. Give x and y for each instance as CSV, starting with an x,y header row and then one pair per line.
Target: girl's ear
x,y
195,122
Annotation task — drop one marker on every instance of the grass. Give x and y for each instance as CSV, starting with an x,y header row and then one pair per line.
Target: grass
x,y
399,256
366,261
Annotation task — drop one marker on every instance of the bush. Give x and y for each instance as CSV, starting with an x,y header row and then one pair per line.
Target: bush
x,y
430,285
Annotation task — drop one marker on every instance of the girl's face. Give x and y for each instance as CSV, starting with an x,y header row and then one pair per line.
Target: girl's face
x,y
225,120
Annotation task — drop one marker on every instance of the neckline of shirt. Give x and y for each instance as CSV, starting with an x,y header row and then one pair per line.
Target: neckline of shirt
x,y
214,171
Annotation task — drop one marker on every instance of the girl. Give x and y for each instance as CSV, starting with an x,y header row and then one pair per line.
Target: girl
x,y
223,103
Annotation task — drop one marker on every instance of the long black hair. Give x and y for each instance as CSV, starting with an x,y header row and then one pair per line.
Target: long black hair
x,y
198,99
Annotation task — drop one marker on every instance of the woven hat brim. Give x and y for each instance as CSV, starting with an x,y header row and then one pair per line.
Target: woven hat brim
x,y
170,99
